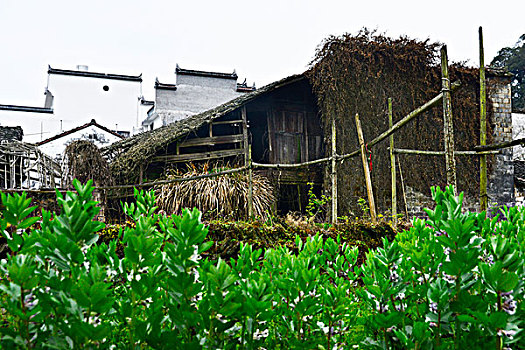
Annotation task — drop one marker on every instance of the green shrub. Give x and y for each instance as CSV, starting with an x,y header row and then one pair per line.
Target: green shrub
x,y
455,280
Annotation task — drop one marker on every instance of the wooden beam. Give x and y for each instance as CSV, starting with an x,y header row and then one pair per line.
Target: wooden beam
x,y
448,124
392,166
198,156
222,122
368,179
211,141
483,199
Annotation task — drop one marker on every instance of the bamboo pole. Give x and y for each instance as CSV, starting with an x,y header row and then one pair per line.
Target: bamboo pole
x,y
501,145
334,172
392,166
291,166
448,125
403,188
368,180
441,153
483,200
250,184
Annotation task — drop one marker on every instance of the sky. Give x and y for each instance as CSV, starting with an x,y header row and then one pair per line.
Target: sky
x,y
262,40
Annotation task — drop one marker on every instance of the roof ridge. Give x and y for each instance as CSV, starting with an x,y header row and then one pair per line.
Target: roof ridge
x,y
183,71
25,108
68,132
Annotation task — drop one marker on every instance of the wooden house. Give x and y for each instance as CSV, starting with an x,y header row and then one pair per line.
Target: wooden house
x,y
280,122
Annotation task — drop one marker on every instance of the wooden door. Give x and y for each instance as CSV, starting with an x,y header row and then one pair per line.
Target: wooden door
x,y
290,138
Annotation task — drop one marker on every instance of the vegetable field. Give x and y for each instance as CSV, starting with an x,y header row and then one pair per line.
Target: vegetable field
x,y
453,281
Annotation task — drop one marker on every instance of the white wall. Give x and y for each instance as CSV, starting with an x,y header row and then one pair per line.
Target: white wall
x,y
79,99
99,137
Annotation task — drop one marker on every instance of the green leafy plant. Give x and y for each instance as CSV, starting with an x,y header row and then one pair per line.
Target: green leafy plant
x,y
453,281
315,205
363,207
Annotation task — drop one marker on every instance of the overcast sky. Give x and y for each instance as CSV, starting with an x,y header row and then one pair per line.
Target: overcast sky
x,y
263,40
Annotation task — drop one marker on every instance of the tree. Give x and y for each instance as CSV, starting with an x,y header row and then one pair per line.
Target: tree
x,y
513,59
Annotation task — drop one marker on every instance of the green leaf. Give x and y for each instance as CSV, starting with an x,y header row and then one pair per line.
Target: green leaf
x,y
205,246
507,281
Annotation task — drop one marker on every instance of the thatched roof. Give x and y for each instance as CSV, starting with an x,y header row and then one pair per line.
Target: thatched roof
x,y
128,155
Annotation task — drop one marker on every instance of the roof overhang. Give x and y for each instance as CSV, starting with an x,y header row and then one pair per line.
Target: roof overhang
x,y
77,73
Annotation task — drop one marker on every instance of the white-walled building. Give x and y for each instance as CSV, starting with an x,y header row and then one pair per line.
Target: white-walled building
x,y
74,98
101,136
194,92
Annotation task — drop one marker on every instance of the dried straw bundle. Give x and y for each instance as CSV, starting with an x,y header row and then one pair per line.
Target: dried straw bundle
x,y
83,161
222,196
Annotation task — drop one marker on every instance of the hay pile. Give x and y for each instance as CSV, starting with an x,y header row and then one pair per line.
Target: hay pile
x,y
357,74
225,196
83,161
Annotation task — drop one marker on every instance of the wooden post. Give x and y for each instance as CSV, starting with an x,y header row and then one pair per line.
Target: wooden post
x,y
334,173
245,134
483,199
250,184
247,160
448,125
368,180
392,166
